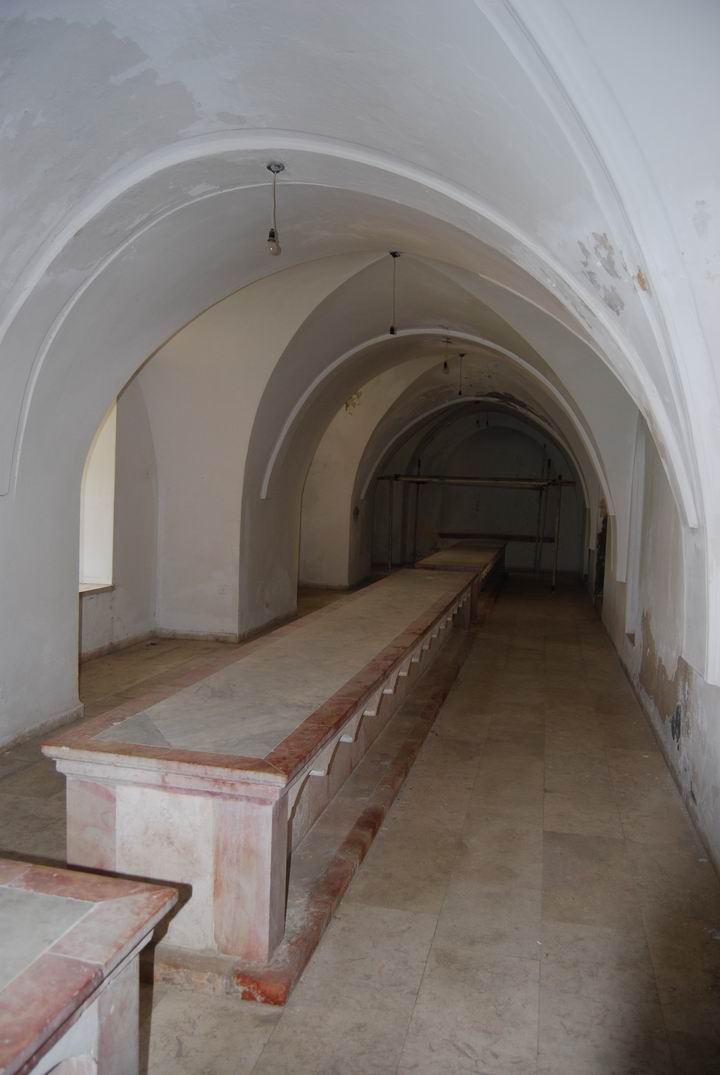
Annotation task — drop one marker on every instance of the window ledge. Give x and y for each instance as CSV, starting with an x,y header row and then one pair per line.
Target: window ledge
x,y
88,588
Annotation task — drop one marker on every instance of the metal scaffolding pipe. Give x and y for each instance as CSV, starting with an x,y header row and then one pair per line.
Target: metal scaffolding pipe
x,y
415,523
391,506
493,535
500,483
538,524
538,531
557,535
546,498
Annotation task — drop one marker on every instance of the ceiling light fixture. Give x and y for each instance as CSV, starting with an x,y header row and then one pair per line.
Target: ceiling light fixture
x,y
273,242
446,365
394,254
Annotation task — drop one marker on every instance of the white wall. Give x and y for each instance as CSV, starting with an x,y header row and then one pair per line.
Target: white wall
x,y
127,611
97,505
202,391
662,677
334,540
159,210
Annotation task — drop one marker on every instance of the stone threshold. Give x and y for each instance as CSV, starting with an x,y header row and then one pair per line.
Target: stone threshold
x,y
326,860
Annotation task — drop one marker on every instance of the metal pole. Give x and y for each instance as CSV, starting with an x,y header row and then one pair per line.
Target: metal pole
x,y
415,522
557,535
391,498
538,545
538,535
544,518
500,483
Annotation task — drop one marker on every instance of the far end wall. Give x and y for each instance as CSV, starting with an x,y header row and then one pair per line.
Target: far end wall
x,y
504,450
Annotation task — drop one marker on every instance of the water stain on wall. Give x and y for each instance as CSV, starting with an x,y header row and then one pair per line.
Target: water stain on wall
x,y
669,693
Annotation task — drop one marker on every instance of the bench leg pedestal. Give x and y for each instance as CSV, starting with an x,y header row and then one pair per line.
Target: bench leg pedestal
x,y
251,839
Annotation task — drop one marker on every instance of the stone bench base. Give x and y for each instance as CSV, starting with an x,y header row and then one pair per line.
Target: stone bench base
x,y
312,900
224,824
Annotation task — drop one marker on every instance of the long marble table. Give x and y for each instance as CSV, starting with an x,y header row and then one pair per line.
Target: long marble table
x,y
69,945
215,784
475,557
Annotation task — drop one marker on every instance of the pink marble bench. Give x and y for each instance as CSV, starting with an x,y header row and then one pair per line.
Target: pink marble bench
x,y
69,969
484,561
215,784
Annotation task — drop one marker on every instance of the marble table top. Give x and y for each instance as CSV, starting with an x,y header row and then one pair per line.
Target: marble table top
x,y
463,556
62,932
250,706
272,705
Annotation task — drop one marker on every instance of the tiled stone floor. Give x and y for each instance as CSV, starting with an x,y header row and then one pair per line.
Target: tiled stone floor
x,y
537,901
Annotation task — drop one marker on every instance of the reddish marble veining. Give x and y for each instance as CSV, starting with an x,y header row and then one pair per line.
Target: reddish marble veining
x,y
110,930
48,992
249,844
281,764
11,870
310,736
91,824
74,884
249,881
40,1000
167,683
272,982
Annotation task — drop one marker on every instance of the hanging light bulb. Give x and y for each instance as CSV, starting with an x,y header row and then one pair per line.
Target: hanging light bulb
x,y
273,242
446,365
394,254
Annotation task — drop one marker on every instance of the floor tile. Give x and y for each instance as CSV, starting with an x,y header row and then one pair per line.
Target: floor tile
x,y
537,882
473,1015
194,1034
491,921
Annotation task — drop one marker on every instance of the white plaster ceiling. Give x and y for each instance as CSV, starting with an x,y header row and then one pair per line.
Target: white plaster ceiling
x,y
503,138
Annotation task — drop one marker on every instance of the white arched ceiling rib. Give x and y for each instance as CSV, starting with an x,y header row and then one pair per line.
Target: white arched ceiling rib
x,y
415,186
411,426
660,174
296,413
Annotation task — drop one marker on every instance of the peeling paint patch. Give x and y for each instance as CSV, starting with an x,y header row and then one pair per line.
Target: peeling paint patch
x,y
641,280
676,725
605,253
353,401
667,692
611,298
701,219
602,256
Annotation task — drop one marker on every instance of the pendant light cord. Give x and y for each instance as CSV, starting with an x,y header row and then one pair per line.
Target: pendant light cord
x,y
394,254
274,202
394,288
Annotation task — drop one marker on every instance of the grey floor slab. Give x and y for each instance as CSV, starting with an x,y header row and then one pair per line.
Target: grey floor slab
x,y
501,921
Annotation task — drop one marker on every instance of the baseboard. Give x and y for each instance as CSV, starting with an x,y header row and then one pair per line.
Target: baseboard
x,y
67,716
113,647
319,587
197,636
